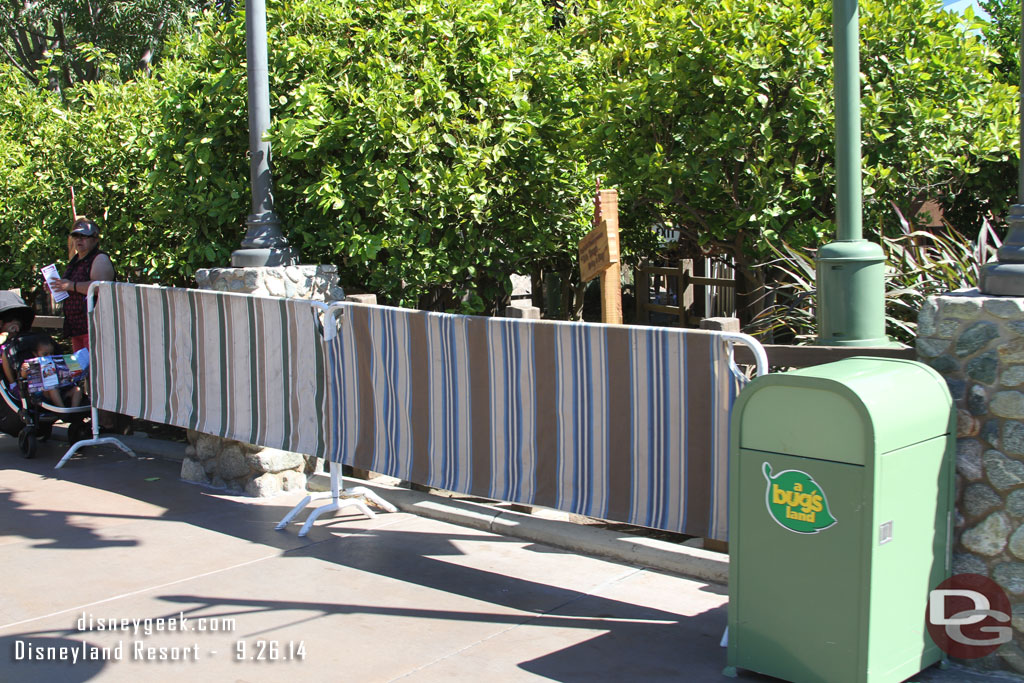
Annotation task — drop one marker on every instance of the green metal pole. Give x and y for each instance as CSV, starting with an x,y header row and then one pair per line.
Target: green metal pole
x,y
846,58
851,270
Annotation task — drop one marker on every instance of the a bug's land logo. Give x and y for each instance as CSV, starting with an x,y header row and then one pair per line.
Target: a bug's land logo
x,y
967,616
796,501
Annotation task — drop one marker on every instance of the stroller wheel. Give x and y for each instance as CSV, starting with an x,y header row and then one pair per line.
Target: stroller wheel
x,y
78,431
27,442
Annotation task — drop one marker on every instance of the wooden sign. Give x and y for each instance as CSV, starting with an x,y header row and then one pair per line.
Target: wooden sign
x,y
599,255
598,250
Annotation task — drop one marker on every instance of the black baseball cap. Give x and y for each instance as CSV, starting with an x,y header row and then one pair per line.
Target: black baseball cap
x,y
85,228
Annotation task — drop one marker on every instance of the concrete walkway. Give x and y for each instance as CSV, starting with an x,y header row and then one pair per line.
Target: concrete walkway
x,y
112,541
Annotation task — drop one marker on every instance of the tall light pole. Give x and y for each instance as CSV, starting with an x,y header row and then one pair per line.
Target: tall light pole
x,y
1006,276
850,270
264,243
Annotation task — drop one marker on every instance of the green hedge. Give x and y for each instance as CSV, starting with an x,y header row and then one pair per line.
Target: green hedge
x,y
423,147
431,148
718,119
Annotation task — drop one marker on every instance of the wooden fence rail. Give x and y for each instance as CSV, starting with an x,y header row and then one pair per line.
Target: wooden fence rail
x,y
679,281
783,356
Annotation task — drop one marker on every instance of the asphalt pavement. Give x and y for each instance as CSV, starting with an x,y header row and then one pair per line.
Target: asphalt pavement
x,y
115,570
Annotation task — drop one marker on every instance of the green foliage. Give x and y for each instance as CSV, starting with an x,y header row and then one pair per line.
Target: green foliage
x,y
58,43
432,147
424,147
424,144
1002,33
90,142
197,157
935,116
918,265
714,117
718,118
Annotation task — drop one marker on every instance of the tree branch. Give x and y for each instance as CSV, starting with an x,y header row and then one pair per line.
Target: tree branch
x,y
18,65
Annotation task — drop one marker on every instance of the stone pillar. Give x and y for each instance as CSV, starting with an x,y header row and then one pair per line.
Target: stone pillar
x,y
721,324
317,283
518,310
241,467
521,305
976,342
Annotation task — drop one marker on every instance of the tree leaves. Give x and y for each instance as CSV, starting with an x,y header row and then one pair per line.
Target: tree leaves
x,y
432,147
447,162
718,118
57,43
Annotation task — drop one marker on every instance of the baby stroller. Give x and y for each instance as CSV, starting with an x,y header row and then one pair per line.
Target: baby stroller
x,y
23,411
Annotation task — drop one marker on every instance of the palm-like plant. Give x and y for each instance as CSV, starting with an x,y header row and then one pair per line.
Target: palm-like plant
x,y
919,264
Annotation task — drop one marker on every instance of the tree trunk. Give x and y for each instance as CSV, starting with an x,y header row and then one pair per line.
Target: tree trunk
x,y
750,289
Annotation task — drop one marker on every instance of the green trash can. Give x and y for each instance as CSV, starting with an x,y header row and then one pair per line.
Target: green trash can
x,y
840,519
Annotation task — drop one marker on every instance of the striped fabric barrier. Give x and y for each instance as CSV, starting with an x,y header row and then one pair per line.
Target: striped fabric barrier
x,y
242,367
621,423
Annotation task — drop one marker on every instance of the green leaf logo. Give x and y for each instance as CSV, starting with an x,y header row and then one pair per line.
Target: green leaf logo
x,y
796,501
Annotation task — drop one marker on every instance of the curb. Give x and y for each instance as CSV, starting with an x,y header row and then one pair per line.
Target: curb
x,y
158,448
635,550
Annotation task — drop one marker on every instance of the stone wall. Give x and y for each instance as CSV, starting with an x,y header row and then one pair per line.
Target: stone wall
x,y
317,283
977,343
241,467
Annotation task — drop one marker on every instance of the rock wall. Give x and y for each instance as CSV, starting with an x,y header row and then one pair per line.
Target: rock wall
x,y
241,467
977,343
316,283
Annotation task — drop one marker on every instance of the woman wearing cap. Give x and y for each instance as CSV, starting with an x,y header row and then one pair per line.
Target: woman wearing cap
x,y
87,264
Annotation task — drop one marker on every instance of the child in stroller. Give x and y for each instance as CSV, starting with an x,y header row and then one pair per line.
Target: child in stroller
x,y
57,378
28,409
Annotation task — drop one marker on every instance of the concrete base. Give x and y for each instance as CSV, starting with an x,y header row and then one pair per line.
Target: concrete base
x,y
365,299
1002,279
522,310
256,258
721,324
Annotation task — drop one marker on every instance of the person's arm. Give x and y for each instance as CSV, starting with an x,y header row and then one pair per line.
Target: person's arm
x,y
70,287
102,269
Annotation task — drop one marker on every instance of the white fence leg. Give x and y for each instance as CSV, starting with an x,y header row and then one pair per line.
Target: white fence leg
x,y
96,440
340,498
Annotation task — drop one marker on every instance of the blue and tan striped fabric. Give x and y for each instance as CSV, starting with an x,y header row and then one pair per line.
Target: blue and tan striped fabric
x,y
622,423
241,367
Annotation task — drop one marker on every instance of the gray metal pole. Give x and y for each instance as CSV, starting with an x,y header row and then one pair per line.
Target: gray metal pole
x,y
264,244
